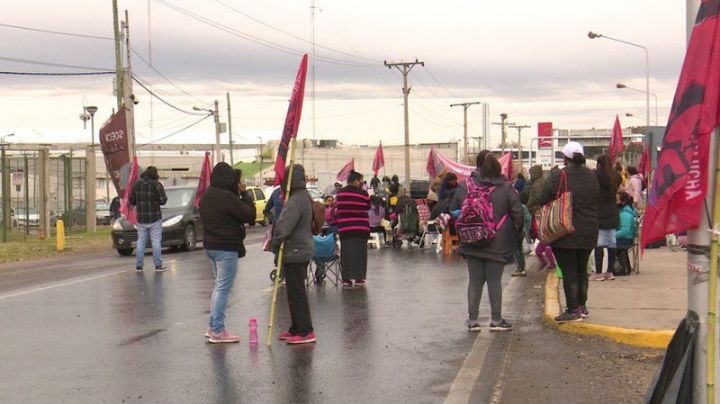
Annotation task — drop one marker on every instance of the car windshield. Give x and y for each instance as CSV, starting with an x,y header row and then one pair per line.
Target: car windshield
x,y
21,211
102,206
178,198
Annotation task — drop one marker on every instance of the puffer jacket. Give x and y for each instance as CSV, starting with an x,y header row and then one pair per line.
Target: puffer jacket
x,y
627,228
607,208
537,183
505,201
583,185
294,226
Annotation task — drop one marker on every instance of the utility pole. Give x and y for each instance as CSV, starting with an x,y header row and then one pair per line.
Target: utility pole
x,y
503,124
519,129
216,115
230,132
128,96
118,57
485,125
312,73
465,106
404,68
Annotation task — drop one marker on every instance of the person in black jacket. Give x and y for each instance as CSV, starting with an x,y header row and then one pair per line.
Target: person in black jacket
x,y
573,251
225,207
608,216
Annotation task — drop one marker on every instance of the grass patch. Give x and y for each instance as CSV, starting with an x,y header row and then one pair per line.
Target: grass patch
x,y
250,170
18,248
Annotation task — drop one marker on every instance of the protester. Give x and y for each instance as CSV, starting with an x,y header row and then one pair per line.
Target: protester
x,y
627,227
486,263
634,186
333,189
519,182
225,207
393,192
608,180
294,228
376,215
330,216
353,204
433,189
572,251
275,204
115,206
446,192
375,183
623,174
148,195
518,252
533,191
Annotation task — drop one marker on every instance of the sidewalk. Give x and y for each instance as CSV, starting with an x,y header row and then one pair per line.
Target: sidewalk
x,y
641,310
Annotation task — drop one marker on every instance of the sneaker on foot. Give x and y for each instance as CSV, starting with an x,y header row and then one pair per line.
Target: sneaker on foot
x,y
299,339
360,282
208,333
584,313
161,268
285,335
597,277
518,272
568,316
473,325
609,276
501,326
223,337
138,269
347,284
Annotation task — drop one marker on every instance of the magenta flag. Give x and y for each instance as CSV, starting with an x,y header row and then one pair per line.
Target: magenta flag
x,y
679,186
204,181
292,121
127,210
379,160
616,141
345,171
437,162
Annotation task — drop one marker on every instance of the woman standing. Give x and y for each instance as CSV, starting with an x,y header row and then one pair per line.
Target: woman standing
x,y
572,251
486,263
634,186
609,181
225,207
294,228
353,224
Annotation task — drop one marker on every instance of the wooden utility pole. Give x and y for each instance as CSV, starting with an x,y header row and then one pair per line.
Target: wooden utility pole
x,y
128,96
216,115
230,132
503,125
404,68
118,57
465,106
519,129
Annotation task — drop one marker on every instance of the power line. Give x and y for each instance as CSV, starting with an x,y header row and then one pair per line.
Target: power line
x,y
440,84
177,131
47,31
40,63
135,78
56,74
166,78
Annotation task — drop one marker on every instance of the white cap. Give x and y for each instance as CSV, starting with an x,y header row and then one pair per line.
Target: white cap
x,y
571,148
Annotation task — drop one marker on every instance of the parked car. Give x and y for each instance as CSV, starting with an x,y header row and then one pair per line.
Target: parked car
x,y
13,219
182,227
102,213
33,217
260,200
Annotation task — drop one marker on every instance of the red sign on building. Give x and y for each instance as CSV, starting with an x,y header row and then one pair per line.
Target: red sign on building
x,y
545,135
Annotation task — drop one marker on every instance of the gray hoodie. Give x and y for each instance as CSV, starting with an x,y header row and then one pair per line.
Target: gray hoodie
x,y
505,200
294,226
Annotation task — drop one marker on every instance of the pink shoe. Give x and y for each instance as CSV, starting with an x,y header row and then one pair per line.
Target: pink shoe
x,y
223,337
609,276
285,335
207,334
360,282
597,277
297,339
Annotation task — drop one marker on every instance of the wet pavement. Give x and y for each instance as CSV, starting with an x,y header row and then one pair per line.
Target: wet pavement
x,y
89,329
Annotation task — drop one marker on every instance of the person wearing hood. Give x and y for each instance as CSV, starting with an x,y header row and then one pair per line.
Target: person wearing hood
x,y
225,208
294,228
486,263
147,196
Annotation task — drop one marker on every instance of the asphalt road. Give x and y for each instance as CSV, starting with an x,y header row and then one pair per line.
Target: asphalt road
x,y
88,329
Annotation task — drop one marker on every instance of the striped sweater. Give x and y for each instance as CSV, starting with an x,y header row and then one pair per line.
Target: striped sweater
x,y
351,212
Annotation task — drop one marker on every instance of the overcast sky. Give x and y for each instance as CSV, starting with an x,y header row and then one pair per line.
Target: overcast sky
x,y
529,58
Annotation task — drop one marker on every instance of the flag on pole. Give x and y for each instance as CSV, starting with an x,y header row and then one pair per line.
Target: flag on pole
x,y
616,141
379,160
204,182
127,210
675,200
644,165
345,171
292,121
436,163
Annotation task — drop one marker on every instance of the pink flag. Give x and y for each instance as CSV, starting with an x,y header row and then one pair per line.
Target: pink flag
x,y
644,166
204,181
379,160
292,121
675,200
506,165
437,162
616,141
127,210
345,171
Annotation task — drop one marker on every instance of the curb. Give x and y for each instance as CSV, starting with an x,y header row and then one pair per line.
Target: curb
x,y
629,336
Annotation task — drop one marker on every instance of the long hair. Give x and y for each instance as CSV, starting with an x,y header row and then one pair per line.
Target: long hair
x,y
490,167
376,202
354,176
150,173
480,159
625,198
603,164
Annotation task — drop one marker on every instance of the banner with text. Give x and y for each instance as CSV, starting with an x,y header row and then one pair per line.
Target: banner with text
x,y
114,145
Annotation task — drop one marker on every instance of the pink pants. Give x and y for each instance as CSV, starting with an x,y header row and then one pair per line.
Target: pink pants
x,y
544,252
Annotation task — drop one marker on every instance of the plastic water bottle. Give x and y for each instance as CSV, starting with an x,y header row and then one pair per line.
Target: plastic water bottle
x,y
253,332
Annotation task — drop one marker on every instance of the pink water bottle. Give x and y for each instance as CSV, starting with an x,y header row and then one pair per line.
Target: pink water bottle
x,y
253,332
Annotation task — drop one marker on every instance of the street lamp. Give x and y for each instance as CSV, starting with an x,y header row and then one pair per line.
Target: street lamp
x,y
91,110
621,86
593,35
629,115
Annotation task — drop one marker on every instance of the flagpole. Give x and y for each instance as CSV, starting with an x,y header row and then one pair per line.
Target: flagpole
x,y
278,268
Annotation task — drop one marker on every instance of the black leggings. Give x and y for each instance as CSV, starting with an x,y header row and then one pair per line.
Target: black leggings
x,y
573,264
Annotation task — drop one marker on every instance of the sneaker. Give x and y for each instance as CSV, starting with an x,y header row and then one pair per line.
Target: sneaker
x,y
161,268
360,282
285,335
569,316
501,326
584,313
347,284
609,276
597,277
138,269
208,333
223,337
518,272
473,325
298,339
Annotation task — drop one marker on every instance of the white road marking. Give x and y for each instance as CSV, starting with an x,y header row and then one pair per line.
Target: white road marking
x,y
59,285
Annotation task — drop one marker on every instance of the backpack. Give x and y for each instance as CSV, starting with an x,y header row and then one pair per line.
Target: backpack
x,y
476,225
318,216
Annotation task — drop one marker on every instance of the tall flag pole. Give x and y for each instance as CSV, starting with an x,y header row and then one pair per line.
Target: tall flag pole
x,y
616,141
287,141
379,160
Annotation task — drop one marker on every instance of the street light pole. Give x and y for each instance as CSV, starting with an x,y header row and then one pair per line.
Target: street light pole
x,y
593,35
261,157
465,106
621,86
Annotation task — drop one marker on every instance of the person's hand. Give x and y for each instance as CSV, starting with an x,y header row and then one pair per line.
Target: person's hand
x,y
242,187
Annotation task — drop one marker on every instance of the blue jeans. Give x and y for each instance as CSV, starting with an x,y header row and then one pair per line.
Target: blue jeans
x,y
155,231
224,266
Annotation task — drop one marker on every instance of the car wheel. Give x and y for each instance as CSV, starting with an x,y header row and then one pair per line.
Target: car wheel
x,y
125,252
266,221
190,242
